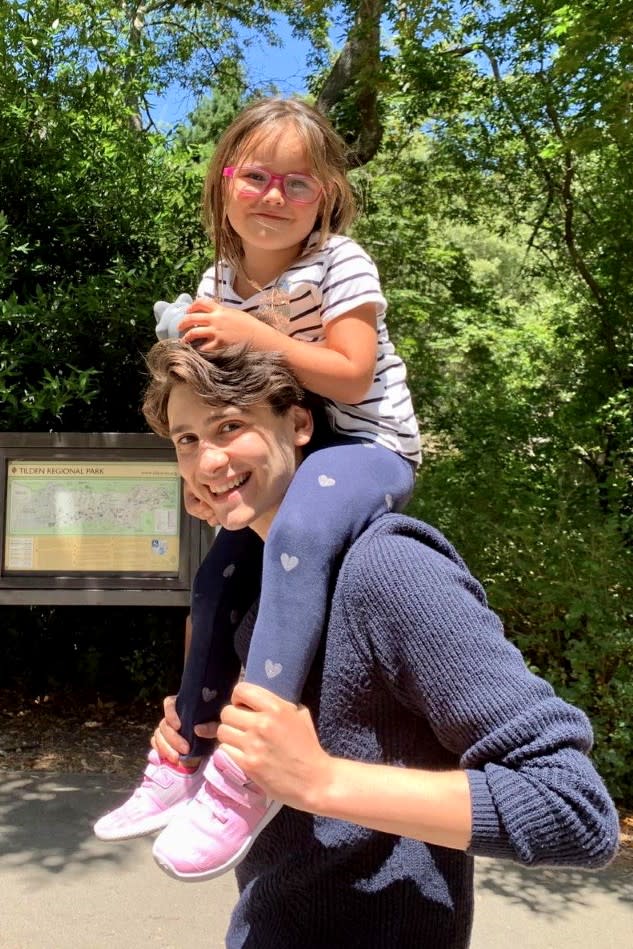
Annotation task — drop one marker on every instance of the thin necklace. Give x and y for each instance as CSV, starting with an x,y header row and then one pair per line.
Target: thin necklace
x,y
274,306
253,283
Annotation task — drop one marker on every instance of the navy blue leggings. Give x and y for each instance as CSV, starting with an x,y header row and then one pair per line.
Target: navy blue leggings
x,y
337,491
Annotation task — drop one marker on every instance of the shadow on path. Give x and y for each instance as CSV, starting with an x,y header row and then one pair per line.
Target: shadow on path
x,y
556,892
46,829
61,887
46,819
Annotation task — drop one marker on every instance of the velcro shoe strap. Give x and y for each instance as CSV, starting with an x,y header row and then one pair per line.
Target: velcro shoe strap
x,y
233,783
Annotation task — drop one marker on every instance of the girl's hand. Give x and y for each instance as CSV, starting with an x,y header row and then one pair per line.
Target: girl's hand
x,y
168,741
197,507
209,325
342,368
275,744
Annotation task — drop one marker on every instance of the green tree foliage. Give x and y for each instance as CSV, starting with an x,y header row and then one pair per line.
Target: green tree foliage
x,y
210,118
98,213
83,208
536,98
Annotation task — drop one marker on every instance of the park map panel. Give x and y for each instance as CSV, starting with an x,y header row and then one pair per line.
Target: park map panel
x,y
84,516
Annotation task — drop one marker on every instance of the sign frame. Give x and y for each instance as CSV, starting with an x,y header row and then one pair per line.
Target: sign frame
x,y
107,588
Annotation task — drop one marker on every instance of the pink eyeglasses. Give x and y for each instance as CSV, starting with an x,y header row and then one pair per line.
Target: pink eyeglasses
x,y
252,181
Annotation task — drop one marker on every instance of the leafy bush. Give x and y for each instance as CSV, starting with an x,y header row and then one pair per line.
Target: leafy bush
x,y
564,589
120,653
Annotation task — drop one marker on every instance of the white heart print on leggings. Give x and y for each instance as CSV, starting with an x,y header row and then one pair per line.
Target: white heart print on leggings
x,y
272,669
289,562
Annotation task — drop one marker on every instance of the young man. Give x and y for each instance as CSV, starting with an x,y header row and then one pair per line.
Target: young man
x,y
432,743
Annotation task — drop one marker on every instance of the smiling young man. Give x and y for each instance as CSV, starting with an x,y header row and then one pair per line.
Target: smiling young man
x,y
432,742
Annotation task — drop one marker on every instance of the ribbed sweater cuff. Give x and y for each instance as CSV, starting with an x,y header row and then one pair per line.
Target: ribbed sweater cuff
x,y
488,836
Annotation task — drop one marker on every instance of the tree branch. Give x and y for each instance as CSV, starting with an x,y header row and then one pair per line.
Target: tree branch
x,y
565,189
568,204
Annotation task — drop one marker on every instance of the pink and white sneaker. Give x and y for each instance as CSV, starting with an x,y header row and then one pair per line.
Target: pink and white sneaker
x,y
163,793
218,828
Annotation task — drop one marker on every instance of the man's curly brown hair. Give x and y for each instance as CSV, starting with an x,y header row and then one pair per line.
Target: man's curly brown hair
x,y
236,376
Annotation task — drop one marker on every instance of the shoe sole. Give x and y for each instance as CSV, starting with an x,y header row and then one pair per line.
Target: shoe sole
x,y
200,876
159,823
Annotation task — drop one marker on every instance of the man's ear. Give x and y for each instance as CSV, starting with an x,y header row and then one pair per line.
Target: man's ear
x,y
303,425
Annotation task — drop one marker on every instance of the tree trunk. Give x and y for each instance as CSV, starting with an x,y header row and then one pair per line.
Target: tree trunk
x,y
350,92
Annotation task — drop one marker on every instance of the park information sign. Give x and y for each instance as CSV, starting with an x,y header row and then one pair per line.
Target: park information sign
x,y
112,516
94,519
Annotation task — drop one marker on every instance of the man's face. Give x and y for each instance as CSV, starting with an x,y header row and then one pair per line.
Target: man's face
x,y
239,461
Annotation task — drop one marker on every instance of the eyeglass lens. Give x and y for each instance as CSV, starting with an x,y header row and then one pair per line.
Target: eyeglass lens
x,y
303,189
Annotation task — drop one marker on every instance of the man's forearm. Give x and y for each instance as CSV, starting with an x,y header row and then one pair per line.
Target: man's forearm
x,y
433,806
276,744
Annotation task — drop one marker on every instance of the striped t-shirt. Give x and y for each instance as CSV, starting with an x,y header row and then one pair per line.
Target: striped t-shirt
x,y
323,284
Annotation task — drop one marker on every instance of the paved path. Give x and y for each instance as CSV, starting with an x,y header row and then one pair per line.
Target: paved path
x,y
60,888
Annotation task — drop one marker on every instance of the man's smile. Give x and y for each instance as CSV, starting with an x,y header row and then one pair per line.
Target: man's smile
x,y
225,487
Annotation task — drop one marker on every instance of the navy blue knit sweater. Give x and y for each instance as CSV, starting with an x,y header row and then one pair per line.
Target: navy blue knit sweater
x,y
414,670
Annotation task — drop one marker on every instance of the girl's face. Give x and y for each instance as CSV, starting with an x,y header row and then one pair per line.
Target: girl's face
x,y
269,222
